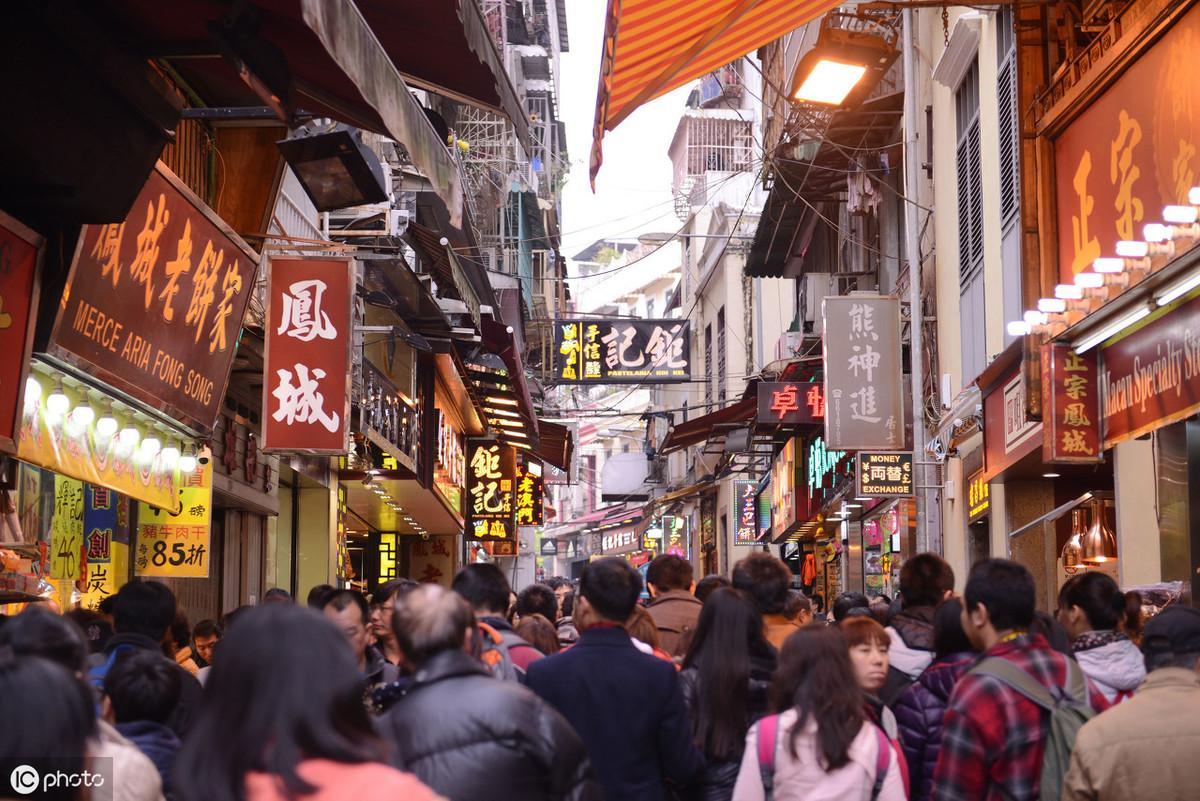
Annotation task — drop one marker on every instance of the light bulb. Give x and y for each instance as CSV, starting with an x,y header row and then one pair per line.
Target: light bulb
x,y
1156,232
1194,196
33,391
1108,265
1052,305
1089,280
130,436
1034,317
1018,328
1068,292
83,415
57,403
150,446
1133,249
1179,215
187,462
170,456
107,425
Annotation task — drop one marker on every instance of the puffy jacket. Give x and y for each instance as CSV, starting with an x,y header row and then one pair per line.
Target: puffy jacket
x,y
468,736
919,713
719,776
1116,668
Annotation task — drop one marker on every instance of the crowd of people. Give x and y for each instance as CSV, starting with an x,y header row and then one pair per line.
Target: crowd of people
x,y
728,688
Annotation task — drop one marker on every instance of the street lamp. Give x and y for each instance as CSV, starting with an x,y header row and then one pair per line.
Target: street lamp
x,y
335,167
852,54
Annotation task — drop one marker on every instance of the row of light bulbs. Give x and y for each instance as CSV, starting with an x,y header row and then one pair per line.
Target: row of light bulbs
x,y
392,504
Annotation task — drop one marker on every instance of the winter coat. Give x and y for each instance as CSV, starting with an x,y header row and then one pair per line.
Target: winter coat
x,y
719,776
1116,668
910,652
157,742
919,713
777,628
191,694
134,777
336,781
675,613
469,736
567,633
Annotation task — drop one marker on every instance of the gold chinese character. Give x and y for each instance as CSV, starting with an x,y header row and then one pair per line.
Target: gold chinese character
x,y
142,267
230,286
1075,415
204,280
1181,168
182,263
107,251
1075,387
1124,174
1087,249
894,474
1074,363
1073,441
5,317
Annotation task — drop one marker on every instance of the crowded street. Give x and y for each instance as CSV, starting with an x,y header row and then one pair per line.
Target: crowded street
x,y
600,400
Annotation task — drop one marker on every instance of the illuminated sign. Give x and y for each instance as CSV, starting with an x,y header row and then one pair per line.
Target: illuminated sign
x,y
491,487
790,403
822,463
745,524
531,490
621,540
621,351
978,497
885,475
784,512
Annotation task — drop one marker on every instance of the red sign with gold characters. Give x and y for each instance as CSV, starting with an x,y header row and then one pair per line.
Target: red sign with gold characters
x,y
491,490
1071,414
531,489
20,252
790,403
154,305
306,398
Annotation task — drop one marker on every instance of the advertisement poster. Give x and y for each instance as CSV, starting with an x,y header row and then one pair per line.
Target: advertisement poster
x,y
178,545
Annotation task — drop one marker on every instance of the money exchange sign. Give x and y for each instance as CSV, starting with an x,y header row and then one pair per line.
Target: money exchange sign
x,y
863,390
491,490
621,351
178,545
885,475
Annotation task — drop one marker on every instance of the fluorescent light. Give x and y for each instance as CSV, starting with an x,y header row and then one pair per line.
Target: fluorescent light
x,y
1019,328
507,423
1179,289
1133,249
1156,232
501,401
1034,317
1089,280
1179,215
1111,330
503,413
1194,196
520,434
830,82
1052,305
1051,475
1068,292
1108,265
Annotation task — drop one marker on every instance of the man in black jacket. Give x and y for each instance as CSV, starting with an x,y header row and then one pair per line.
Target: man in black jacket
x,y
465,734
626,705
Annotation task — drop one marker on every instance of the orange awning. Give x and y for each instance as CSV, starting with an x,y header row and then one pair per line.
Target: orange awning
x,y
654,46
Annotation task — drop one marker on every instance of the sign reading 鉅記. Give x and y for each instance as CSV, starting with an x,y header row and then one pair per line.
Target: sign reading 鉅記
x,y
491,490
621,351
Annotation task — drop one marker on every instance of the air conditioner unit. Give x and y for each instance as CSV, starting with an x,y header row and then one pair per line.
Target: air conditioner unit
x,y
789,344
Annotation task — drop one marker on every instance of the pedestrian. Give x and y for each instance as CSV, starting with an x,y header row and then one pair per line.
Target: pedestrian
x,y
465,734
766,580
318,595
562,587
819,744
96,628
626,706
798,609
881,609
205,637
140,690
850,604
709,584
536,599
277,595
1146,746
284,720
920,708
348,610
539,632
725,679
486,590
673,607
1097,615
645,635
179,643
867,642
925,581
568,634
382,602
994,733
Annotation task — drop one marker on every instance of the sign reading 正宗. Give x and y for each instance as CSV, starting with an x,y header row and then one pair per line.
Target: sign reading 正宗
x,y
979,494
745,510
306,398
621,351
885,475
531,491
178,545
864,399
20,254
154,305
491,490
790,403
1071,406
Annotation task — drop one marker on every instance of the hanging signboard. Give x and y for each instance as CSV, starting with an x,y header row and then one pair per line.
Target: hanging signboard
x,y
785,494
106,543
863,388
1071,406
620,540
306,397
20,255
549,548
978,497
66,529
154,305
745,510
790,403
621,351
885,475
491,487
530,497
178,545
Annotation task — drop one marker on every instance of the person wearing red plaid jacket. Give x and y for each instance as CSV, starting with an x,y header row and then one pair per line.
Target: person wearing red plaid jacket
x,y
994,737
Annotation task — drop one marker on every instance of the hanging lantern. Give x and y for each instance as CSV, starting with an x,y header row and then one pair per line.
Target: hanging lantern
x,y
1099,544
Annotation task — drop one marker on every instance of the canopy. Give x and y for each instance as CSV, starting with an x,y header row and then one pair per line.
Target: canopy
x,y
699,429
654,46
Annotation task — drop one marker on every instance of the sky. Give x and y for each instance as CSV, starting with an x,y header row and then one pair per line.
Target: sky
x,y
633,190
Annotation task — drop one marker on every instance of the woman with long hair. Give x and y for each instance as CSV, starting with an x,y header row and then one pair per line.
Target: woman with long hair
x,y
867,643
820,745
1100,619
283,719
725,680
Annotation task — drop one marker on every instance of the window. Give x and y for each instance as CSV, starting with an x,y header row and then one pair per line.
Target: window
x,y
708,368
970,226
721,355
1010,165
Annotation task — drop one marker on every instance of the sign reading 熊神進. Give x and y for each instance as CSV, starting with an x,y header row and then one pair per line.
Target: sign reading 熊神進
x,y
177,545
790,403
531,490
20,253
745,509
884,475
491,490
154,305
621,351
864,399
1071,406
306,398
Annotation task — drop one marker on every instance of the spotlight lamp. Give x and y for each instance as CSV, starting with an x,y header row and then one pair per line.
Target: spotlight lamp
x,y
852,54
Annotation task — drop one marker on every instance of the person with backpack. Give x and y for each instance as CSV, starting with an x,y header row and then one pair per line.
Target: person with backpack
x,y
925,581
485,589
1097,617
819,746
867,644
673,607
1011,721
766,580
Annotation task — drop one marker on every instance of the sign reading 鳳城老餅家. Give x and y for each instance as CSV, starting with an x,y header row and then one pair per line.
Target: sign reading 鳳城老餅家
x,y
154,305
20,255
306,397
864,399
621,351
491,490
1071,406
885,475
790,403
745,524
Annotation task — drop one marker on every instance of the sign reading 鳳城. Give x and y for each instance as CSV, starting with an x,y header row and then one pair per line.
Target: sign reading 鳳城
x,y
177,545
306,398
154,305
745,510
883,475
790,403
1071,406
978,496
531,489
863,392
20,253
621,351
491,489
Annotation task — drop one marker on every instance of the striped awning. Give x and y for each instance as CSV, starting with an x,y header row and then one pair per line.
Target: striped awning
x,y
654,46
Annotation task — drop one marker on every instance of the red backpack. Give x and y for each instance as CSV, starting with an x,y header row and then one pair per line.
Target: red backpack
x,y
768,741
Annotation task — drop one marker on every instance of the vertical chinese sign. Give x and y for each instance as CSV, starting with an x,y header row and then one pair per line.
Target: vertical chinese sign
x,y
531,489
20,252
106,543
178,545
621,351
491,487
1071,413
745,524
66,529
306,398
863,390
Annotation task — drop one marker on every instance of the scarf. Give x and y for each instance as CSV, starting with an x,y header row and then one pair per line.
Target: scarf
x,y
1096,639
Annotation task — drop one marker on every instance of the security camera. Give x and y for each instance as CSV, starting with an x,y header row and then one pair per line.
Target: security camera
x,y
202,460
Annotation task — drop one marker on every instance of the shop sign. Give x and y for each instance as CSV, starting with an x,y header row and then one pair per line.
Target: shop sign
x,y
885,475
389,556
763,506
154,305
306,373
790,403
1152,377
531,490
784,492
863,386
1071,406
621,540
826,470
178,545
745,524
20,255
675,532
66,529
491,485
1129,153
431,561
1018,428
449,469
978,497
500,547
1008,433
105,543
549,547
621,351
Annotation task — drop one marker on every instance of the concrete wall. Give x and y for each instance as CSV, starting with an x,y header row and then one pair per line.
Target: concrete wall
x,y
1138,536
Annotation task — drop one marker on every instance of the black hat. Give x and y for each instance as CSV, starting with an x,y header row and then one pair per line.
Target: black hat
x,y
1175,629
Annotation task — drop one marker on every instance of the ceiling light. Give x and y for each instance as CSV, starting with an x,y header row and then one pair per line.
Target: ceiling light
x,y
1179,289
1051,475
57,402
1052,305
187,462
1112,329
501,401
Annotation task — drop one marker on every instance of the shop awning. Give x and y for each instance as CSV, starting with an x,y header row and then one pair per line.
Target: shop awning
x,y
554,444
428,243
654,46
677,495
693,432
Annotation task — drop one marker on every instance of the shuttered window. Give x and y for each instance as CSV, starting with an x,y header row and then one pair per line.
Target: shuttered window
x,y
970,178
1009,124
721,355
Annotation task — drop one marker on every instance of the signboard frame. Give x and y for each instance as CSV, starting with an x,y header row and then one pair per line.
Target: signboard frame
x,y
507,466
10,426
868,462
872,417
645,331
